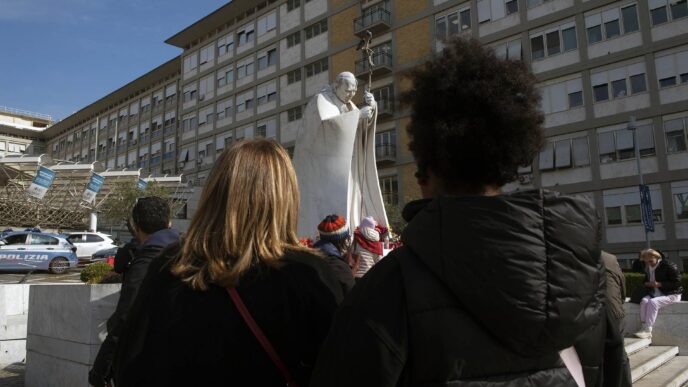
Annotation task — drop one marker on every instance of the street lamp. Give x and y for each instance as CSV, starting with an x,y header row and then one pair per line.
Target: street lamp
x,y
645,212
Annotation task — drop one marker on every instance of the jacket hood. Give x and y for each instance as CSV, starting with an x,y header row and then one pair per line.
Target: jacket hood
x,y
525,265
161,238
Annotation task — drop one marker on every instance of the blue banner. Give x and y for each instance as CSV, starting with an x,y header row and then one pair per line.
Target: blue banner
x,y
93,187
41,183
646,208
142,185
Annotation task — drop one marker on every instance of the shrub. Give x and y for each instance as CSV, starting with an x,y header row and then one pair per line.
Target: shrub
x,y
637,280
92,274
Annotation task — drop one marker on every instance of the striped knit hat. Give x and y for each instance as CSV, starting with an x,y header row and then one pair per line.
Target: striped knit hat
x,y
333,228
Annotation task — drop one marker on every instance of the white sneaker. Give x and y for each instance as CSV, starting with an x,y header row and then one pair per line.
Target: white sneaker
x,y
644,333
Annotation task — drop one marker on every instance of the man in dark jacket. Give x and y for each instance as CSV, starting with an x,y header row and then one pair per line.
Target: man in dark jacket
x,y
151,225
616,287
487,288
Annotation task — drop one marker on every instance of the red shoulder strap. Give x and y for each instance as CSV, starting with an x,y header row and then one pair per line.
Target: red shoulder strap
x,y
258,333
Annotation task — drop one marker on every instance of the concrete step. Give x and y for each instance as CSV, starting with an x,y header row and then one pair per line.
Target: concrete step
x,y
648,359
672,374
633,344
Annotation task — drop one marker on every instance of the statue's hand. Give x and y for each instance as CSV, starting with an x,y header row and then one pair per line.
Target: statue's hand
x,y
366,112
369,99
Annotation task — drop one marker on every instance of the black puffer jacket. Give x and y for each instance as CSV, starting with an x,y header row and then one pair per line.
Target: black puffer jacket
x,y
485,292
666,274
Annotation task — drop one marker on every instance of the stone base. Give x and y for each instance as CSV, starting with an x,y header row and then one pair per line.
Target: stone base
x,y
14,306
67,324
671,327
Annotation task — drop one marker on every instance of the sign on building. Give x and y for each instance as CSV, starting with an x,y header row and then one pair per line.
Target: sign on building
x,y
93,188
646,208
41,183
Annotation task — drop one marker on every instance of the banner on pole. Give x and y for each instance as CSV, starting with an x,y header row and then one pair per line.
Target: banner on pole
x,y
646,208
41,183
142,184
93,188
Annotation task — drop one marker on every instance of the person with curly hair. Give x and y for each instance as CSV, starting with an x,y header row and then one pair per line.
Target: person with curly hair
x,y
488,288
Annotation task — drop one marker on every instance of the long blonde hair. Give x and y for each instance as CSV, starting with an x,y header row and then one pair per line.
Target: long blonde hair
x,y
247,212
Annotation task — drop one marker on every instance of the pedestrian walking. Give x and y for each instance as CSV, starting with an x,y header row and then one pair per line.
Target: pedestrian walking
x,y
240,302
488,288
662,288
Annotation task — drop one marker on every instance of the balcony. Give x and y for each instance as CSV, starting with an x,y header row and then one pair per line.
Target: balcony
x,y
377,20
382,62
385,153
385,108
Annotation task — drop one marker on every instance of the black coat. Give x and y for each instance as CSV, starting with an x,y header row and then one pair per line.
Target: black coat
x,y
177,336
339,266
136,268
484,292
668,276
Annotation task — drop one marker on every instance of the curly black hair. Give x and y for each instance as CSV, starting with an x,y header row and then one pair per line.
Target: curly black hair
x,y
151,214
475,117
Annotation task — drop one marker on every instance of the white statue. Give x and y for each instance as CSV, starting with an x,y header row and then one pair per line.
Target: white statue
x,y
334,158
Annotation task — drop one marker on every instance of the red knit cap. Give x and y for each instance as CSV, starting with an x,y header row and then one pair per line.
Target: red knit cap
x,y
333,228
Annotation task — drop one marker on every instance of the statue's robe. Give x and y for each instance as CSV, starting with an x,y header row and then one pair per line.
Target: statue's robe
x,y
334,158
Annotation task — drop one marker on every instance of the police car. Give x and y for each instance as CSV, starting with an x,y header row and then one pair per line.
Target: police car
x,y
26,251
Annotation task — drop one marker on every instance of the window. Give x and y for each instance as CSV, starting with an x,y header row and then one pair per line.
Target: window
x,y
245,68
672,69
190,62
18,239
205,86
225,45
90,238
620,144
293,76
390,190
267,23
266,93
452,23
261,131
681,204
609,23
316,29
294,114
509,50
316,67
190,123
225,76
190,94
674,130
562,96
244,102
601,92
267,59
679,9
613,215
43,240
294,39
386,144
632,213
567,153
554,42
638,83
207,54
205,116
630,18
511,6
293,4
619,88
245,35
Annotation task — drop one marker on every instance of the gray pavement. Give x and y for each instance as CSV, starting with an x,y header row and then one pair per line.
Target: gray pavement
x,y
12,375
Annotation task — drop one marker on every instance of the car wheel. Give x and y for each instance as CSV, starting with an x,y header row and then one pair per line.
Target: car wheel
x,y
58,265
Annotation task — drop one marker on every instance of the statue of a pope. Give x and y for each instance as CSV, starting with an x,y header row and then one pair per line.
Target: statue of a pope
x,y
334,158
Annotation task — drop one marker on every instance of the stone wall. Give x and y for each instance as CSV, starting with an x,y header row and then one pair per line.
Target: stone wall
x,y
671,327
14,307
66,325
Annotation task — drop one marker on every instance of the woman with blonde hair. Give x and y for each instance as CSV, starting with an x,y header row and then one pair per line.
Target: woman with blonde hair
x,y
239,302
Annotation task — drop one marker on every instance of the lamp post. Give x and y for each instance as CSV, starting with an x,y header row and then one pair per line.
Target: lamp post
x,y
643,203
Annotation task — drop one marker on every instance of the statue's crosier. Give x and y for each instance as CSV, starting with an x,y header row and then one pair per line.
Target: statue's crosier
x,y
334,158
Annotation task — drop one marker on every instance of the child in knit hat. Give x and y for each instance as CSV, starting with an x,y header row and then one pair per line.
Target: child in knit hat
x,y
334,244
367,245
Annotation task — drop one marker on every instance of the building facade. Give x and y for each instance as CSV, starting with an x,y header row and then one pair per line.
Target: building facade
x,y
248,69
21,132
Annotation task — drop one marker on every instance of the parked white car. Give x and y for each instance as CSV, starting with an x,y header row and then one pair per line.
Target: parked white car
x,y
87,243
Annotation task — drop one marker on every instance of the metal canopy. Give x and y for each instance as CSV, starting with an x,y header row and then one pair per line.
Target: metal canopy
x,y
63,206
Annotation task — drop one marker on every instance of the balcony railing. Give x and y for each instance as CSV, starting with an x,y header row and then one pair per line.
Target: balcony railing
x,y
385,152
374,20
382,62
